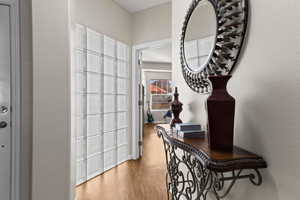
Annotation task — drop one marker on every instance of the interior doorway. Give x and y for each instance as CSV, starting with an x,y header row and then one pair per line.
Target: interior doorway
x,y
151,71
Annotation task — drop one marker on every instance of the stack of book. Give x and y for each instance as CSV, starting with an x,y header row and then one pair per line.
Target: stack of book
x,y
189,130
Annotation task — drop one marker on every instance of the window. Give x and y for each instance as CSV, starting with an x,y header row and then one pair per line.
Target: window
x,y
161,94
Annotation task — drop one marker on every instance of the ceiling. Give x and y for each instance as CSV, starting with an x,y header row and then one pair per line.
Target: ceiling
x,y
138,5
162,54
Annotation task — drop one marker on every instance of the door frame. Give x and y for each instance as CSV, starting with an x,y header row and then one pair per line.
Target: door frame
x,y
136,49
15,96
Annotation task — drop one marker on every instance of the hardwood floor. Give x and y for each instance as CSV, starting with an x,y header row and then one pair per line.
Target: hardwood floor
x,y
134,180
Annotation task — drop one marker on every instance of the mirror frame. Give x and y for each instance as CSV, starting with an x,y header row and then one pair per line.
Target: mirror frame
x,y
231,20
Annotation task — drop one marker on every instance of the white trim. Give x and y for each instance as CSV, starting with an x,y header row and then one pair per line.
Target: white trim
x,y
162,110
157,70
154,44
16,96
154,62
135,80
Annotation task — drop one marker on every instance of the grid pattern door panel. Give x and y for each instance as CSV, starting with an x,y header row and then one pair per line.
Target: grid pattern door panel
x,y
81,148
80,82
81,175
80,37
109,47
93,83
101,102
122,120
93,104
80,87
122,153
94,62
94,145
80,55
110,141
122,137
80,126
109,122
122,68
122,102
122,86
109,85
109,103
94,41
95,166
110,159
94,125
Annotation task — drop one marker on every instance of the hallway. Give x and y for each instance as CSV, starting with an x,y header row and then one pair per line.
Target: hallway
x,y
134,180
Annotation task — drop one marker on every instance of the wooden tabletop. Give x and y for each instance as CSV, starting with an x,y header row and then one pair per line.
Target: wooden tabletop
x,y
214,160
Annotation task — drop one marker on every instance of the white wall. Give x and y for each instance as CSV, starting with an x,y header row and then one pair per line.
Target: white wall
x,y
152,24
104,16
266,87
51,170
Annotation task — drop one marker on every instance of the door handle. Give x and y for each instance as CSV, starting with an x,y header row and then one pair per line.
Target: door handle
x,y
3,109
3,124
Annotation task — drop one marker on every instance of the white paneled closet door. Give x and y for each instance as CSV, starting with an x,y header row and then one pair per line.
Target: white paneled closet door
x,y
101,103
80,113
122,98
110,136
94,104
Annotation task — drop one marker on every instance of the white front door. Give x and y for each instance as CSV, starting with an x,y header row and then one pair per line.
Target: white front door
x,y
5,103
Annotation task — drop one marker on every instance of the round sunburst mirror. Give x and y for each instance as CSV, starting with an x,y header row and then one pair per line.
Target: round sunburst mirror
x,y
212,37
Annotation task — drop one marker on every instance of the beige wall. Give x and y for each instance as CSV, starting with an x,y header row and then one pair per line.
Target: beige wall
x,y
152,24
104,16
51,170
266,87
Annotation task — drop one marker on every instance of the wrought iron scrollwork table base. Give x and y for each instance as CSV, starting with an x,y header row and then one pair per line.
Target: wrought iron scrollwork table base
x,y
194,171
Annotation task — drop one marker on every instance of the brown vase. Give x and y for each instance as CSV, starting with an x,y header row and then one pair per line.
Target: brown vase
x,y
176,109
220,109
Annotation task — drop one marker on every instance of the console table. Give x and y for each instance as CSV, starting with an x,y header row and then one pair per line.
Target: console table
x,y
194,171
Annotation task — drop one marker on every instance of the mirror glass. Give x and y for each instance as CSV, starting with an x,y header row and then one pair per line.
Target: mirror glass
x,y
200,36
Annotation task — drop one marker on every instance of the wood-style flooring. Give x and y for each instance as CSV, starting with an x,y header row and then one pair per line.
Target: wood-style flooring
x,y
134,180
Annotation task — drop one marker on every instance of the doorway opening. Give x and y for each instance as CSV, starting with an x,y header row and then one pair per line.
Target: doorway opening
x,y
152,88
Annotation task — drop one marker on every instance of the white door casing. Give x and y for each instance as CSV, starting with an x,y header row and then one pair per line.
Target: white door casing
x,y
9,100
136,77
5,130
